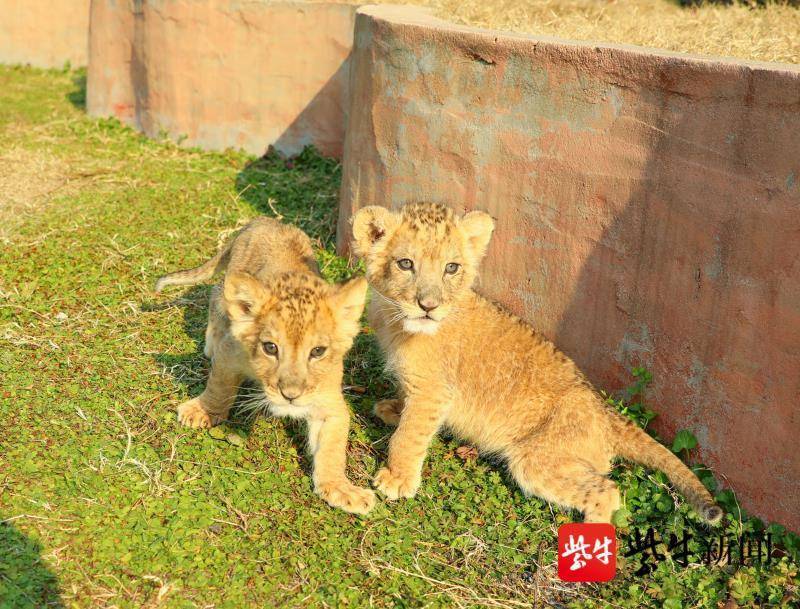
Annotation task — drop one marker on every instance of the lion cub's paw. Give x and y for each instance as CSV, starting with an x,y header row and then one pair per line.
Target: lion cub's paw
x,y
389,411
192,414
395,487
349,497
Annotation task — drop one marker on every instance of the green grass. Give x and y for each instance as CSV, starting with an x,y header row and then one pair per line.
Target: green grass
x,y
107,502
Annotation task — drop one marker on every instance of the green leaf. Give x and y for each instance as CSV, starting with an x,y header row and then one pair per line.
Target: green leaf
x,y
727,500
684,439
235,439
621,518
218,433
665,505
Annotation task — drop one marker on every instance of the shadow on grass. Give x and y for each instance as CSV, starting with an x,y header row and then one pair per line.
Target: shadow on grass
x,y
77,97
303,191
25,581
190,370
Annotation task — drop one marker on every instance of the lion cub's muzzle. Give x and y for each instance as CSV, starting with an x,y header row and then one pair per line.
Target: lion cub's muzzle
x,y
291,388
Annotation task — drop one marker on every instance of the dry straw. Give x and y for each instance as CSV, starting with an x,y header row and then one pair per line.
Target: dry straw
x,y
769,32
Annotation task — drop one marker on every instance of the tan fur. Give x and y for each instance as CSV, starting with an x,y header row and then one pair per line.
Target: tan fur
x,y
487,375
273,293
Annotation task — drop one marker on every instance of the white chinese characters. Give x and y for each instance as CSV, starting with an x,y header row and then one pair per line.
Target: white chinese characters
x,y
578,549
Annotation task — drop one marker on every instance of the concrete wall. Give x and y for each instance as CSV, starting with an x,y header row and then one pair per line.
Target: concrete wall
x,y
223,73
647,207
44,33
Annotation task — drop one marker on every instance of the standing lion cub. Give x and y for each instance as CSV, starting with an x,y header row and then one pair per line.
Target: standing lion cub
x,y
274,320
464,363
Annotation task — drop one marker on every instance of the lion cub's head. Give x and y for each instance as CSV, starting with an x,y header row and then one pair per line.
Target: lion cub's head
x,y
422,259
295,329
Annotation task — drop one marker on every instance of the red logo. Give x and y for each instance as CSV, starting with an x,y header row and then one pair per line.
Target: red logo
x,y
587,552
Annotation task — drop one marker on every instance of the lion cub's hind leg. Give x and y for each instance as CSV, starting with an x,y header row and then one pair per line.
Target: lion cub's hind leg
x,y
569,482
389,411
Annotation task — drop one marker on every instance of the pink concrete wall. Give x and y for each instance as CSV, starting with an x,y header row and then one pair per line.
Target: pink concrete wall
x,y
647,207
219,74
44,33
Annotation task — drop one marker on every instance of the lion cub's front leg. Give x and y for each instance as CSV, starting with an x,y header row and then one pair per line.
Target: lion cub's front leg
x,y
419,422
327,443
211,407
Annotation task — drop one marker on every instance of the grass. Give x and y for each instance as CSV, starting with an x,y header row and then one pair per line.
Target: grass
x,y
106,502
770,32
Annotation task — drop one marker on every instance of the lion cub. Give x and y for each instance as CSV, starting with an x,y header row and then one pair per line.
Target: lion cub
x,y
276,321
464,363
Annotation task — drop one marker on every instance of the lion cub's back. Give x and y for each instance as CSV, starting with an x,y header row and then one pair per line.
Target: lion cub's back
x,y
266,246
506,369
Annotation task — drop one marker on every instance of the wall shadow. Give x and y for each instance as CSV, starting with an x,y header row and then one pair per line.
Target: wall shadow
x,y
26,582
292,179
690,275
137,69
323,121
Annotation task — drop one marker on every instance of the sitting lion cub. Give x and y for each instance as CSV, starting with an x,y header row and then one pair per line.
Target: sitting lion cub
x,y
276,321
464,363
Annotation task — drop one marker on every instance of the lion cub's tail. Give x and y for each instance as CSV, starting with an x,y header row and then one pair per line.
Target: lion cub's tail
x,y
633,444
204,272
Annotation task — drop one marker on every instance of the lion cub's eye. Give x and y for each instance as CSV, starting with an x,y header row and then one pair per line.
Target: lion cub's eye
x,y
270,348
405,264
451,268
317,352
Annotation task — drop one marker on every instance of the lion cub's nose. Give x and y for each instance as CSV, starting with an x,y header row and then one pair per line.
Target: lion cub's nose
x,y
290,392
427,304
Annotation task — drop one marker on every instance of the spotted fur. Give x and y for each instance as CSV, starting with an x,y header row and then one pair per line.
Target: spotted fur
x,y
487,375
273,294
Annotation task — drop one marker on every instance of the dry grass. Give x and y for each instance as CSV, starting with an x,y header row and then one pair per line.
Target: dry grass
x,y
32,181
770,33
28,181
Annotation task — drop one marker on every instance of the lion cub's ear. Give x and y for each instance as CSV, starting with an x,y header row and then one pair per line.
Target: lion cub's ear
x,y
477,227
371,224
347,303
243,296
